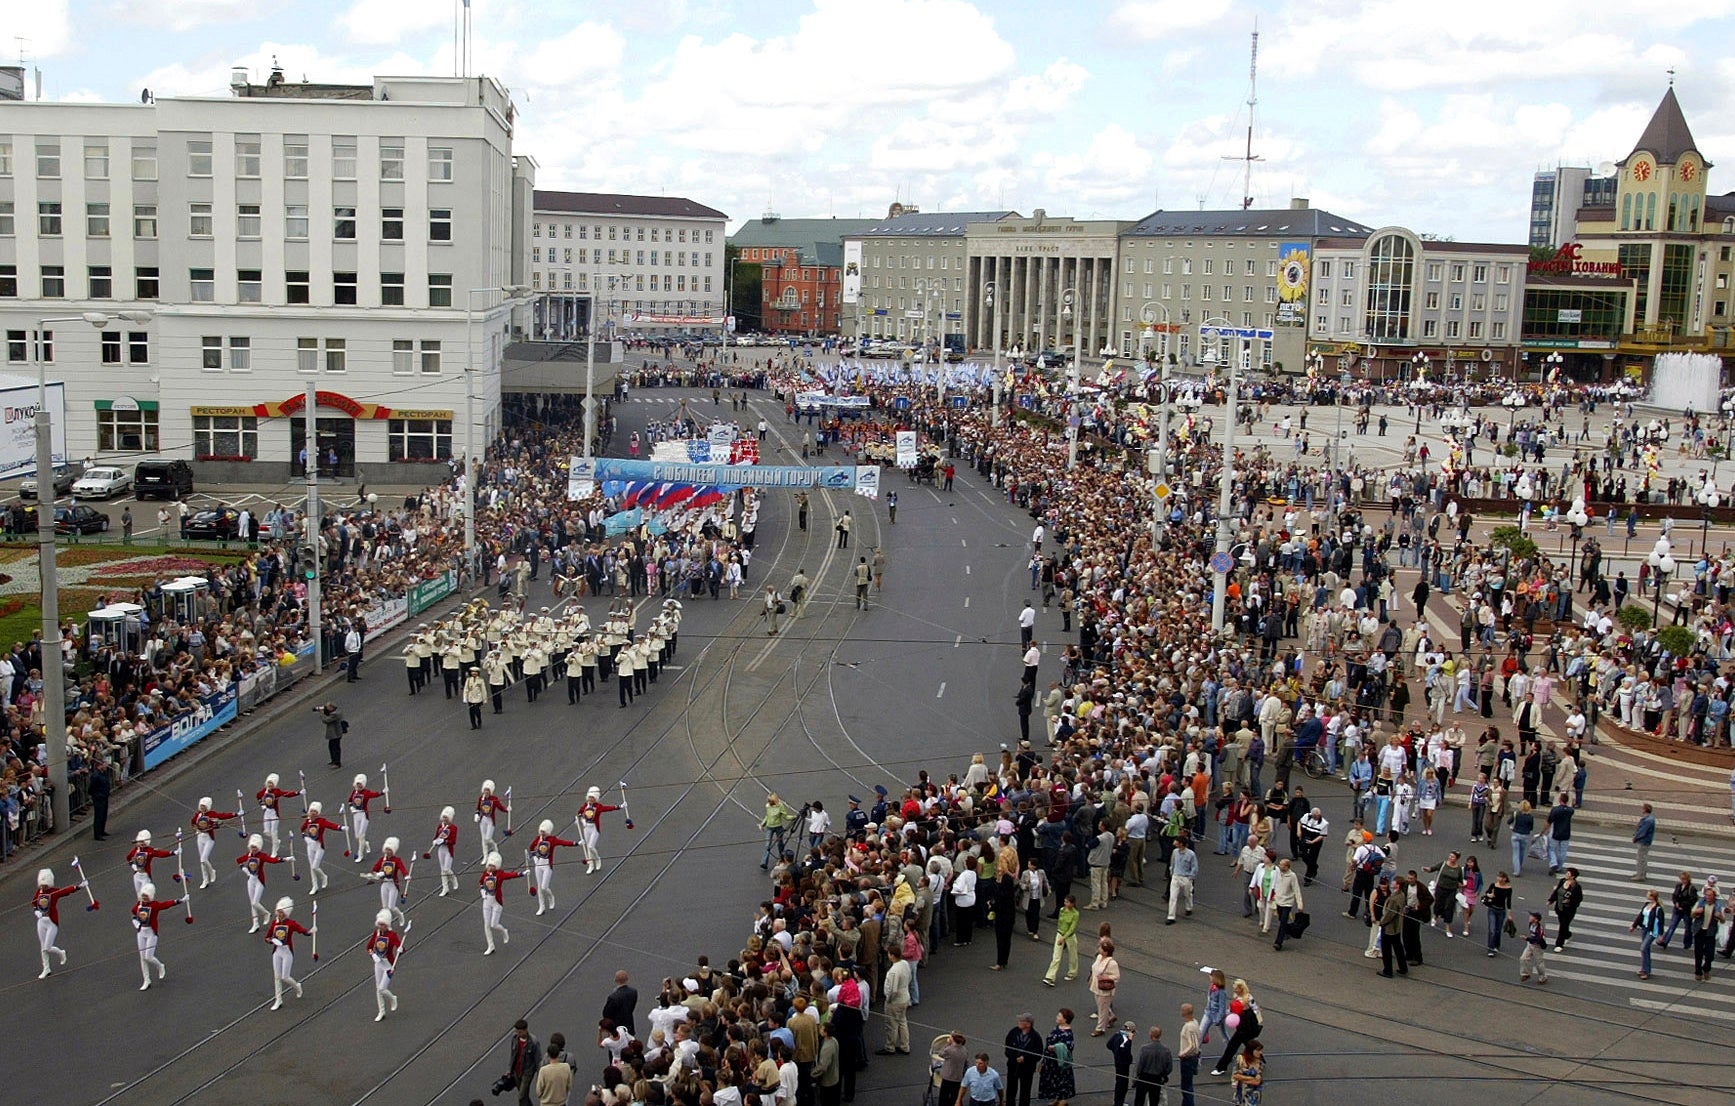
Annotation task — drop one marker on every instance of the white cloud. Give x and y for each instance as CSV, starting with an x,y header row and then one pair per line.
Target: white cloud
x,y
44,25
187,15
584,51
377,22
1112,174
1162,19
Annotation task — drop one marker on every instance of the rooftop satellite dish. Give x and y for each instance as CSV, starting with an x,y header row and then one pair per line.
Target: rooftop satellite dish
x,y
1605,169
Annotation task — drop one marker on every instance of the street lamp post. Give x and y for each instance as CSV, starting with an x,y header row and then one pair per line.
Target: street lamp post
x,y
1219,593
471,468
1576,517
1662,564
1073,422
1709,499
53,663
1421,363
1551,365
994,307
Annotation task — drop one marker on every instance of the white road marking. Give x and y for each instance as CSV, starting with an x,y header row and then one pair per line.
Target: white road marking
x,y
941,694
965,542
959,642
966,570
966,601
954,520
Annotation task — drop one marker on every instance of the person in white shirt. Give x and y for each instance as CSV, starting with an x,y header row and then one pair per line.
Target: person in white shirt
x,y
818,824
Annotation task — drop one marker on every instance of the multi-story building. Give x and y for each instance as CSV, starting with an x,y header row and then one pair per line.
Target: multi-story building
x,y
904,276
1557,194
1399,303
647,263
1053,282
292,235
1187,276
801,262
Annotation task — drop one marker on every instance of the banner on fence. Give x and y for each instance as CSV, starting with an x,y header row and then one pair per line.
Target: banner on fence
x,y
213,712
906,449
867,481
726,476
426,593
384,615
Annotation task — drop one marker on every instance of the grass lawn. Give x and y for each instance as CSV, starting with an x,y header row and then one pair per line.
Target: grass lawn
x,y
83,578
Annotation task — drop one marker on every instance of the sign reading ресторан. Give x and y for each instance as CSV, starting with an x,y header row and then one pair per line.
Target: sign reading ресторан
x,y
725,476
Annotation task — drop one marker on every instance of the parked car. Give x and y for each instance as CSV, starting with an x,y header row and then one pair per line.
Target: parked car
x,y
63,479
219,523
160,479
67,520
101,482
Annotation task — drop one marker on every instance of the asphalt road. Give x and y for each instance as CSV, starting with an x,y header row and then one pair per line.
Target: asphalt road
x,y
838,702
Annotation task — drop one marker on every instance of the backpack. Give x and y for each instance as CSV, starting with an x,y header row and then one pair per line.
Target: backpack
x,y
1373,861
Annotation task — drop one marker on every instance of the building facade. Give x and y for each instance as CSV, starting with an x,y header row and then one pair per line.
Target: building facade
x,y
908,276
801,262
289,236
1557,194
636,263
1041,283
1400,303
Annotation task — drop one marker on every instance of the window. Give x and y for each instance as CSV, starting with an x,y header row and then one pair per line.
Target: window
x,y
101,282
430,356
198,157
1349,270
536,255
138,347
1452,329
249,285
247,220
1186,266
240,355
1432,301
199,220
298,288
392,289
403,356
95,160
144,161
392,224
307,355
1478,302
48,158
1500,301
146,283
246,155
336,355
1455,302
439,163
295,221
1476,329
1479,273
295,156
5,159
419,440
343,288
536,280
204,282
54,282
8,282
8,224
1457,272
131,431
48,219
225,436
343,223
440,227
111,347
1324,270
439,289
1430,328
1436,269
391,159
1348,297
96,220
1503,273
211,353
1391,271
342,158
144,220
1498,331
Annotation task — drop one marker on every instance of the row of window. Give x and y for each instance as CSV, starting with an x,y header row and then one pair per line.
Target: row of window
x,y
1495,331
658,282
249,222
249,285
249,158
663,234
1434,272
1431,300
238,436
670,258
233,354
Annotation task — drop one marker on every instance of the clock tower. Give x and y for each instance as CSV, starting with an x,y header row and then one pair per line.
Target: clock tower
x,y
1662,182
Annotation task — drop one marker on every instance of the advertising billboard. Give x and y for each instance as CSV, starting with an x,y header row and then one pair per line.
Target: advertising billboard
x,y
18,426
851,272
1294,265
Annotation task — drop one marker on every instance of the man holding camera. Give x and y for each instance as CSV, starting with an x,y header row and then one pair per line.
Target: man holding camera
x,y
523,1061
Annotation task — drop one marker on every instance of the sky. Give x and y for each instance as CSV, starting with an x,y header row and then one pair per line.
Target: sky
x,y
1389,112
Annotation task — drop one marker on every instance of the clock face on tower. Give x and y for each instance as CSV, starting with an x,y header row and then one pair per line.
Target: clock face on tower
x,y
1642,170
1688,170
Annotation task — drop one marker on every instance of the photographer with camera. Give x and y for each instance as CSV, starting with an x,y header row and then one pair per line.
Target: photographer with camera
x,y
523,1060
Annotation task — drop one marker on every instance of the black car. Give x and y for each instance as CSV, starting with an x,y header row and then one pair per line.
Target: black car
x,y
218,524
161,479
67,520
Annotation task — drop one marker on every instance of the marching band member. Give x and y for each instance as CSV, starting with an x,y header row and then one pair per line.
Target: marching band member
x,y
359,798
281,936
387,871
46,904
140,858
590,826
144,916
487,807
492,881
475,692
269,796
383,945
542,848
253,862
205,822
313,830
445,847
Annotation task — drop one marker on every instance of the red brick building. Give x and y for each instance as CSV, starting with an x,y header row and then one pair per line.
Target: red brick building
x,y
801,261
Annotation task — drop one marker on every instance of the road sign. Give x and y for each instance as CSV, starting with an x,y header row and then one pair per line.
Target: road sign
x,y
1163,490
1236,332
1222,563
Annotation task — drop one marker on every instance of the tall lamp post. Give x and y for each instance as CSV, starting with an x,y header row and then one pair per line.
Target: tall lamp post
x,y
1576,517
1662,564
53,666
516,294
1073,422
1709,498
1551,366
1420,364
1219,593
994,306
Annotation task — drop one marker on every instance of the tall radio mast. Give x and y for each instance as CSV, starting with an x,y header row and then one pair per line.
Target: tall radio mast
x,y
1248,158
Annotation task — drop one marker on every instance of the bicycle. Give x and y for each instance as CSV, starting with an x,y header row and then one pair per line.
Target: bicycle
x,y
1313,762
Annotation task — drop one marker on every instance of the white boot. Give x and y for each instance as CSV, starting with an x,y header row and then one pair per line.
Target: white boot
x,y
45,968
296,983
505,938
277,992
380,1005
145,970
489,951
393,997
60,952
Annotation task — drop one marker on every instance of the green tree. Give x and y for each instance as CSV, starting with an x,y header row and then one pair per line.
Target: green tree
x,y
745,291
1635,618
1514,541
1678,640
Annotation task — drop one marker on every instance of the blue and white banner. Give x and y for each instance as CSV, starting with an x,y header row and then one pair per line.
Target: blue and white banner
x,y
726,476
867,481
580,477
214,711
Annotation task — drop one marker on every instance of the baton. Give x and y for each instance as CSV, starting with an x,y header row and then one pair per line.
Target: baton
x,y
409,874
386,787
343,815
508,811
403,947
181,878
303,776
84,882
527,869
314,932
180,874
624,810
241,812
293,873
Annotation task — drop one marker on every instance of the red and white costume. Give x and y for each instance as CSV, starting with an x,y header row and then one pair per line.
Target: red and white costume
x,y
144,917
387,871
313,830
590,827
139,858
253,862
445,847
359,798
541,854
280,934
488,807
205,824
492,881
269,796
46,906
383,945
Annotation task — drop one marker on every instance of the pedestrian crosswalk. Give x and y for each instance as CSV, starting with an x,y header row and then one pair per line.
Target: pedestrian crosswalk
x,y
1603,953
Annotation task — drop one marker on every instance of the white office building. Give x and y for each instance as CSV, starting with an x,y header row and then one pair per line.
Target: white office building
x,y
286,236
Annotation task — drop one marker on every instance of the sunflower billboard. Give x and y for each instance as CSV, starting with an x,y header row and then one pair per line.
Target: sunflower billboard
x,y
1295,262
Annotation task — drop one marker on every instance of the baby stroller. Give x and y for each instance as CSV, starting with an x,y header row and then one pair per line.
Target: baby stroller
x,y
931,1095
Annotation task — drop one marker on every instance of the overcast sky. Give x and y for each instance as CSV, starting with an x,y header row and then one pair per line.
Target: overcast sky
x,y
1432,116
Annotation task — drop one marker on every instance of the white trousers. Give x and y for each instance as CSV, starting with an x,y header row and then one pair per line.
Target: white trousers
x,y
205,842
589,838
444,856
389,899
358,822
485,826
492,914
382,975
256,892
283,963
147,939
46,932
139,881
544,873
316,876
270,829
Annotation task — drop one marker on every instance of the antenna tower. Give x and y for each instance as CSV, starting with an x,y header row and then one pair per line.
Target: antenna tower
x,y
1249,157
